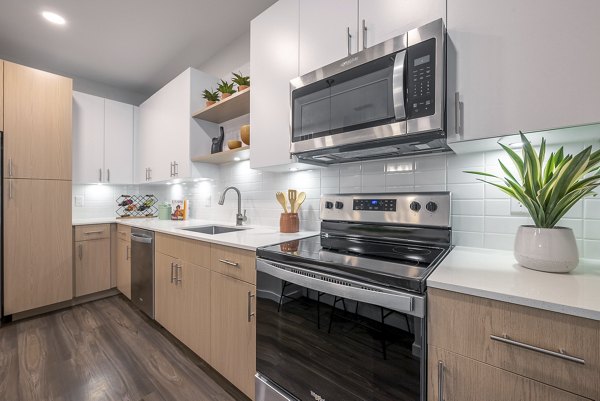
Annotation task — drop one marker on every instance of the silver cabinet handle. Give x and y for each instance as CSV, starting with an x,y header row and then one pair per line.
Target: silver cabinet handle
x,y
171,171
364,29
80,251
176,168
107,175
229,262
127,256
440,381
178,273
457,113
10,167
146,173
560,354
100,175
349,40
93,232
250,313
172,269
10,189
149,174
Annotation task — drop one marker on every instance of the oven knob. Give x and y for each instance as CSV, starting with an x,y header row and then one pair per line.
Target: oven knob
x,y
339,205
415,206
431,206
328,205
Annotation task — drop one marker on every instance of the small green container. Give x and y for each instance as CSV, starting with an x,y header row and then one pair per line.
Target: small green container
x,y
164,211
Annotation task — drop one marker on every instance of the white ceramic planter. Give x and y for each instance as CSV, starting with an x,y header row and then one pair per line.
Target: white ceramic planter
x,y
552,250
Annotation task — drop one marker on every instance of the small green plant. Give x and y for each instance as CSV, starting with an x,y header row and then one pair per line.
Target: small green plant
x,y
225,87
548,190
240,80
210,95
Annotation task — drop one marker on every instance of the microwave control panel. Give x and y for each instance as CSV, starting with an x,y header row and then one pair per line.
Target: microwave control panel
x,y
421,79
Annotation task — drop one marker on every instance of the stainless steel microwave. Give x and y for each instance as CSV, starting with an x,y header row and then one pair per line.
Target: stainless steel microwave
x,y
385,101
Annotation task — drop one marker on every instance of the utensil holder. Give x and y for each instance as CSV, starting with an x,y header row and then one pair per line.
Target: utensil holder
x,y
289,223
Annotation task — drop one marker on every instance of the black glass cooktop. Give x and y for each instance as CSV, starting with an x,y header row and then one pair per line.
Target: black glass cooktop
x,y
397,265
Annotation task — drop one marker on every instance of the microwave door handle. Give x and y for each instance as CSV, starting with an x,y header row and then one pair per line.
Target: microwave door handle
x,y
398,91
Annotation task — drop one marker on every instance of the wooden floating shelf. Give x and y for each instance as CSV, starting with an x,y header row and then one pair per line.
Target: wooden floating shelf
x,y
225,156
234,106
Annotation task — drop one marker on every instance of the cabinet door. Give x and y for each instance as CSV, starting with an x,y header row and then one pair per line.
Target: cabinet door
x,y
193,310
92,266
2,95
166,298
273,62
328,32
521,65
88,138
124,267
118,142
468,380
233,331
38,256
37,124
385,19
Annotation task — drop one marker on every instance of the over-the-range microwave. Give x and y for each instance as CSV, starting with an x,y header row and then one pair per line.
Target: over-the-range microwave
x,y
385,101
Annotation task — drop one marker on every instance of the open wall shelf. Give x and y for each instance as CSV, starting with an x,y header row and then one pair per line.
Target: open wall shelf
x,y
234,106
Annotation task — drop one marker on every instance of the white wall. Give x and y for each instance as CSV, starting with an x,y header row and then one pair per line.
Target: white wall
x,y
106,91
235,57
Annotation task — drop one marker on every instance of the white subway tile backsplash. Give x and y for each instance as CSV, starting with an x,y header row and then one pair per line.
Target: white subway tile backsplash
x,y
481,214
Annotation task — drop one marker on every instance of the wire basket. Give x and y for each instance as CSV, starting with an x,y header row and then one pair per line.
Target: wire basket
x,y
137,206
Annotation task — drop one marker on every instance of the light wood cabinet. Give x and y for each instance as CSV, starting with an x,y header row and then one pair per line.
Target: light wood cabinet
x,y
124,266
190,250
233,328
92,266
497,333
510,73
234,262
182,302
455,377
38,244
37,124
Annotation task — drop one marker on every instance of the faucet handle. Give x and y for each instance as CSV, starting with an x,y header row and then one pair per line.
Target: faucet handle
x,y
244,218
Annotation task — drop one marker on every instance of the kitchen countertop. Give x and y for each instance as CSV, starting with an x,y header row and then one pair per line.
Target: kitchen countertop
x,y
494,274
254,237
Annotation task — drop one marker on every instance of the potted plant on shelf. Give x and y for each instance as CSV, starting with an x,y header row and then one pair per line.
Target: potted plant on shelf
x,y
548,189
226,89
211,97
243,82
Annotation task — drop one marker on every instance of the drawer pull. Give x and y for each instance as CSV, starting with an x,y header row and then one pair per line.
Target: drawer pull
x,y
250,313
560,354
440,381
93,232
229,262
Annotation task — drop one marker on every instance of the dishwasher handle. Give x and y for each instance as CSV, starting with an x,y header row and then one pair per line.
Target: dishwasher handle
x,y
141,238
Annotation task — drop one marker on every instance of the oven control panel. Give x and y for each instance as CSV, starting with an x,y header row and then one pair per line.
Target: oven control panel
x,y
420,208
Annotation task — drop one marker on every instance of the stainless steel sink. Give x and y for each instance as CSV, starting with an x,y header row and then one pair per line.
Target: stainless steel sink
x,y
214,230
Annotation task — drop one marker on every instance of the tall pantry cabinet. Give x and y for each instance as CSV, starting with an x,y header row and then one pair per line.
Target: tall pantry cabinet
x,y
37,265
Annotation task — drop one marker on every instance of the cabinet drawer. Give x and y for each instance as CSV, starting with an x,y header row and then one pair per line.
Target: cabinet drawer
x,y
531,342
234,262
190,250
453,377
93,231
124,232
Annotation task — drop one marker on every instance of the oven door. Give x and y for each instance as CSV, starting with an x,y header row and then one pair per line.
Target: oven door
x,y
324,338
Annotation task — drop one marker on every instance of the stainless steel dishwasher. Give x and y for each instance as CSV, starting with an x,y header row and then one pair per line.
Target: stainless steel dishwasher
x,y
142,270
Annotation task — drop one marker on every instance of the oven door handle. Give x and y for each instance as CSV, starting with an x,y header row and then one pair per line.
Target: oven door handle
x,y
394,300
398,91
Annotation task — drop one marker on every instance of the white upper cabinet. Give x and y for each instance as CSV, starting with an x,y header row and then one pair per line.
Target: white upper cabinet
x,y
167,130
273,63
328,32
118,142
88,138
522,65
102,140
380,20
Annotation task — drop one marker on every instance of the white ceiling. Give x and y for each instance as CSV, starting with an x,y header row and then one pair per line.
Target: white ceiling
x,y
135,45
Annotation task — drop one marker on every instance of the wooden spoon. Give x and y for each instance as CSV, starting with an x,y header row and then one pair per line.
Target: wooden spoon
x,y
292,198
299,201
281,199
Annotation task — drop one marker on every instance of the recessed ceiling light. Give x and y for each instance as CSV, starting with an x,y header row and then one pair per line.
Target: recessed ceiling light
x,y
54,18
237,159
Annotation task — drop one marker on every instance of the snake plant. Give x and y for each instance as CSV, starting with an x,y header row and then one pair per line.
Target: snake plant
x,y
225,87
210,95
240,79
548,188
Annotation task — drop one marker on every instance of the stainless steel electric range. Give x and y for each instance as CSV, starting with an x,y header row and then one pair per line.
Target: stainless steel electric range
x,y
342,316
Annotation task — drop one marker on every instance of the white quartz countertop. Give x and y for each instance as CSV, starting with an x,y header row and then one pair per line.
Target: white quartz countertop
x,y
496,275
252,238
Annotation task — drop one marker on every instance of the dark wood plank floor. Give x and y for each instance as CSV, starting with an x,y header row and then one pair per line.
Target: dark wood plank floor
x,y
102,350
